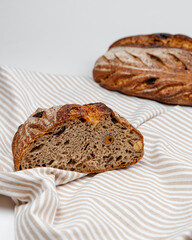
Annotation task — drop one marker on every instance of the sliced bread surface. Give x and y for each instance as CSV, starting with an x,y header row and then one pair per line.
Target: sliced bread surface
x,y
87,138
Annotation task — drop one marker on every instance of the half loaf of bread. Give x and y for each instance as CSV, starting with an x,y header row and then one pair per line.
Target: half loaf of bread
x,y
156,66
89,138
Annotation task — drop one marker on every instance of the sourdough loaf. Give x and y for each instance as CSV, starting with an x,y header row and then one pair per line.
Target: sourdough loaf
x,y
89,138
157,66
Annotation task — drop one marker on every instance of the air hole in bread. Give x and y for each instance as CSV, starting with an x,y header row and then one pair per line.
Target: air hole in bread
x,y
44,165
130,143
86,146
49,133
51,162
72,161
66,142
105,157
110,159
119,158
36,148
114,120
57,134
82,120
127,151
79,165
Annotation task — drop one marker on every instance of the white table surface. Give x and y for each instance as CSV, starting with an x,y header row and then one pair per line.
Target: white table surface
x,y
67,37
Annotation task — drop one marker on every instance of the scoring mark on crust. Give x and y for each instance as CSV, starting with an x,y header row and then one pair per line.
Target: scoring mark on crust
x,y
151,81
137,58
156,59
178,61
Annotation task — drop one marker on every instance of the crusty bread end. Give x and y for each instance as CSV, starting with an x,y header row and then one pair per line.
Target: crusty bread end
x,y
89,138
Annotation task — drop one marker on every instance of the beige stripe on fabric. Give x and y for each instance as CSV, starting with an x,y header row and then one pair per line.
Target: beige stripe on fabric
x,y
148,201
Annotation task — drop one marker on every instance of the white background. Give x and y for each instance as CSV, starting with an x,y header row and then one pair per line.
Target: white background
x,y
60,36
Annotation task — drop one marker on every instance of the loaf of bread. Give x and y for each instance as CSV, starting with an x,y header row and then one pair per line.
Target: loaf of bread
x,y
89,138
157,66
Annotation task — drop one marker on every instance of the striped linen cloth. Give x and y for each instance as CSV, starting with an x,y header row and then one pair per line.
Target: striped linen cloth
x,y
150,200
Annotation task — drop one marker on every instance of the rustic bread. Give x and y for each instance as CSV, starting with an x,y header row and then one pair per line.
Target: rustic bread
x,y
89,138
157,66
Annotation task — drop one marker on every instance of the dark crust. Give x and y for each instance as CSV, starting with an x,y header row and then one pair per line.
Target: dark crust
x,y
155,41
35,127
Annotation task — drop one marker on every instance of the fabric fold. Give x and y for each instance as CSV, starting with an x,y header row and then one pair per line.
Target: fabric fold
x,y
150,200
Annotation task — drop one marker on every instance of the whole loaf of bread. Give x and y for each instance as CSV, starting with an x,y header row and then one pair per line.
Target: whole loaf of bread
x,y
83,138
157,66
